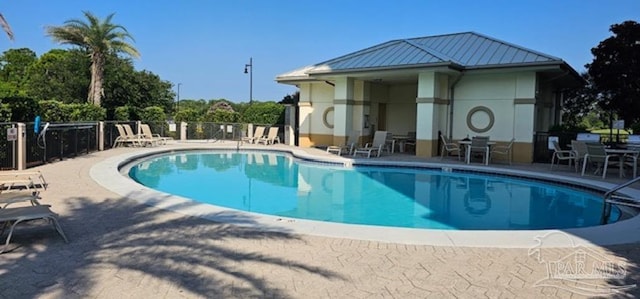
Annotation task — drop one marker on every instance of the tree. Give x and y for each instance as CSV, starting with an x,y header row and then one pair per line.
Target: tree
x,y
615,71
99,38
14,64
578,103
61,75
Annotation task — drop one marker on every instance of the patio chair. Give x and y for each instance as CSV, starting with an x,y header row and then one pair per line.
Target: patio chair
x,y
379,141
448,147
271,138
597,154
411,141
389,143
146,131
579,149
350,144
479,145
257,135
504,150
561,155
14,216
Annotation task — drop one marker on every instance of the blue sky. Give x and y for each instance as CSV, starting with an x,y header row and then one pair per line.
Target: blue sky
x,y
204,45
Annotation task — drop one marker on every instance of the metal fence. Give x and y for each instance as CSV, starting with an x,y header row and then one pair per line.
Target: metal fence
x,y
60,141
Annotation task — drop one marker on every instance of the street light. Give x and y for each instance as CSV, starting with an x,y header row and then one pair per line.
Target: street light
x,y
178,100
248,68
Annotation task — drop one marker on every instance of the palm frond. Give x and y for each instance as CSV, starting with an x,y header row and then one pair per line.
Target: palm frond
x,y
6,27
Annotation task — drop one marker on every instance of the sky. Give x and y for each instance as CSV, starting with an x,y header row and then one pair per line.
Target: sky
x,y
203,45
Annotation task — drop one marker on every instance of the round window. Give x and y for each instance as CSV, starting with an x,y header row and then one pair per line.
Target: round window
x,y
480,119
327,117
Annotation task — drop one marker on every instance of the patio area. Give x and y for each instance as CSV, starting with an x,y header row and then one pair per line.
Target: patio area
x,y
120,248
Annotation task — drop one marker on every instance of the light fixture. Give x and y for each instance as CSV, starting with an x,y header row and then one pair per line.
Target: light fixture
x,y
248,69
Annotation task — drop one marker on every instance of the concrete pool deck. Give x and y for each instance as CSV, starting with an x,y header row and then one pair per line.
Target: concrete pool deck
x,y
121,248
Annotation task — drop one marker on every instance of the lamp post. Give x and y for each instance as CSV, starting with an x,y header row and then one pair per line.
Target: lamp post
x,y
248,68
178,100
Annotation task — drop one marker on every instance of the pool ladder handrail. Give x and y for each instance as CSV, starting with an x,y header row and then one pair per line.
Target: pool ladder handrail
x,y
610,198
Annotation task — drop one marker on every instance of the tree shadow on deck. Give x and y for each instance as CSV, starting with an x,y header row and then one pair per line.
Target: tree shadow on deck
x,y
121,247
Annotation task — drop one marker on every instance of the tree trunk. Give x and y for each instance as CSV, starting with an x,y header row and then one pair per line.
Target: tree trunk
x,y
95,87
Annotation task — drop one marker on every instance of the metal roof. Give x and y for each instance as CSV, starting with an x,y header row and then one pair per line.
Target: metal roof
x,y
467,50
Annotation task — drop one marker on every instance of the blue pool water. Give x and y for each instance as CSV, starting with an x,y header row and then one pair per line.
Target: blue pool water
x,y
278,184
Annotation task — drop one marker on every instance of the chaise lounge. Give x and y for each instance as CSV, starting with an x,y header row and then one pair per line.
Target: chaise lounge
x,y
14,216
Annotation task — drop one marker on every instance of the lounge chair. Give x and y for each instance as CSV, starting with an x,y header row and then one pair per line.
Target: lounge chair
x,y
124,137
348,147
271,138
9,197
379,141
141,138
146,132
23,180
257,134
13,216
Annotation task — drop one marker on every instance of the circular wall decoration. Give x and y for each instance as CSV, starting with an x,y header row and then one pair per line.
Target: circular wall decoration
x,y
480,119
327,117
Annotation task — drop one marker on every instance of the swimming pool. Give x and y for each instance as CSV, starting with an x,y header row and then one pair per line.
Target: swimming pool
x,y
278,184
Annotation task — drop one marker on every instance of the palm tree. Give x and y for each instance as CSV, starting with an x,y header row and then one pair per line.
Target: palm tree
x,y
99,38
5,26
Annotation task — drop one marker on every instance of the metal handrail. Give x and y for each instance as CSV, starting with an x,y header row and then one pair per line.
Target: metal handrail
x,y
606,200
616,188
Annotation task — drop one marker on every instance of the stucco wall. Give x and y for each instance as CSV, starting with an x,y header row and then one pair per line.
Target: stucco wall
x,y
497,92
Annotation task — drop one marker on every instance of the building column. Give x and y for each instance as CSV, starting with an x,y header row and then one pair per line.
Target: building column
x,y
431,112
523,120
343,109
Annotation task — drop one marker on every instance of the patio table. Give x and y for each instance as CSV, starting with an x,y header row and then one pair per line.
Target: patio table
x,y
624,154
467,144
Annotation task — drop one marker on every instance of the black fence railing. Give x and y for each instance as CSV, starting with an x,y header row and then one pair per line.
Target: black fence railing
x,y
60,141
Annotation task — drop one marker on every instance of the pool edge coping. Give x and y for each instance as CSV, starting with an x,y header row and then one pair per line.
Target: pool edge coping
x,y
107,174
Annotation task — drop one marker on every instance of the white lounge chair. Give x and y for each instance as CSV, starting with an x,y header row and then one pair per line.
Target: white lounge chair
x,y
146,131
127,137
348,147
379,141
257,135
271,138
13,216
140,138
23,180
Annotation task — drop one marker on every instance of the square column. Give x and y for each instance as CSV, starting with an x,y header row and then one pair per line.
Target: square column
x,y
431,109
343,109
